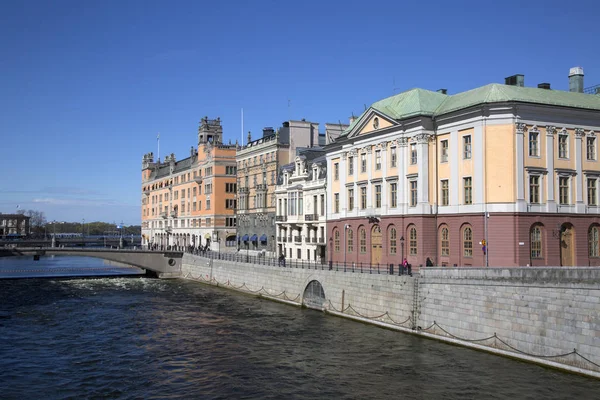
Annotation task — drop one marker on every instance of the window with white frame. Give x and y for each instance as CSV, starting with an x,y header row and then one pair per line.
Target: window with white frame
x,y
534,189
336,203
377,196
590,142
393,157
393,195
377,159
444,151
563,145
350,199
563,190
413,193
534,144
468,190
413,153
468,242
445,188
592,192
363,162
467,147
350,165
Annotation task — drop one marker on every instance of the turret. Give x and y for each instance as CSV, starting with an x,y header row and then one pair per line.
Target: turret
x,y
210,131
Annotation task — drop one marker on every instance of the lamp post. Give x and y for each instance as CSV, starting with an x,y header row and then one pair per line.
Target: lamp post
x,y
402,246
330,253
83,231
247,251
346,226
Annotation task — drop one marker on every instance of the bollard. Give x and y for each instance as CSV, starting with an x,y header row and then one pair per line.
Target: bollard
x,y
391,269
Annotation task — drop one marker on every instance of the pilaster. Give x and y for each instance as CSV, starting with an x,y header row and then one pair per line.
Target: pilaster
x,y
550,177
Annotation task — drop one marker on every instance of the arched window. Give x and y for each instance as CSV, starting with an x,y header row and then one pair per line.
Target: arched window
x,y
536,242
412,243
363,240
468,242
593,242
392,236
445,242
336,240
350,244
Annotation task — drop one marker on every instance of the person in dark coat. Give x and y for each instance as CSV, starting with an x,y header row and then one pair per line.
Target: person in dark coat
x,y
429,263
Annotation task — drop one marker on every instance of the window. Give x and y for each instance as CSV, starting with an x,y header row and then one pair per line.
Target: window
x,y
563,189
363,240
208,204
208,221
230,221
393,157
230,203
336,203
412,242
350,243
363,163
467,147
591,148
444,155
363,197
322,205
336,171
468,190
468,242
413,193
393,195
378,159
393,235
445,238
413,153
536,242
445,195
593,241
534,144
292,198
591,192
350,165
378,196
336,240
350,199
563,149
534,189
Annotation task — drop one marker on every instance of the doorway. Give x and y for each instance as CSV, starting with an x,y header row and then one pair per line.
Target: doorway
x,y
567,245
376,241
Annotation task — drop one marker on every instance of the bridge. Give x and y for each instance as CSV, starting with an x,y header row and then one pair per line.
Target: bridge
x,y
163,264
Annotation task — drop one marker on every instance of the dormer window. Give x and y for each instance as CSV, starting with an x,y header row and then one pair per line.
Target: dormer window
x,y
315,173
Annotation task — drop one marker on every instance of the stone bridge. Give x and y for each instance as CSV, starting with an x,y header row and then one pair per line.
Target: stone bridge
x,y
164,264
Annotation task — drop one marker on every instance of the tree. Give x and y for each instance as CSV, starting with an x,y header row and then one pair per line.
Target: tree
x,y
37,220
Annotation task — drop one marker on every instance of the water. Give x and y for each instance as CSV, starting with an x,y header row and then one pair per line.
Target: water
x,y
134,338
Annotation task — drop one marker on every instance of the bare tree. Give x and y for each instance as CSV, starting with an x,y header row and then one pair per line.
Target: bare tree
x,y
37,220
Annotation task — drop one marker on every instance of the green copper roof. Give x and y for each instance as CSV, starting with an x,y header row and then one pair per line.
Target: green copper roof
x,y
424,102
497,93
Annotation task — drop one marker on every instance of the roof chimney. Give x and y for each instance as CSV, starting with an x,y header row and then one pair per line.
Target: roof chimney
x,y
543,86
442,91
576,80
515,80
352,119
268,131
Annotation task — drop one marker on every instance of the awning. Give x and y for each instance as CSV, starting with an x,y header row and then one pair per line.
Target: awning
x,y
245,238
254,238
207,236
263,238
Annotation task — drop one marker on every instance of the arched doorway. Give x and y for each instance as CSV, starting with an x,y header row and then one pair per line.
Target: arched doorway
x,y
314,295
376,241
567,245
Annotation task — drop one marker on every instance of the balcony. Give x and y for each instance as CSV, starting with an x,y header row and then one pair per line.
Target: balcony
x,y
163,214
243,190
198,180
289,239
284,239
281,218
322,240
311,217
297,239
147,192
261,186
313,240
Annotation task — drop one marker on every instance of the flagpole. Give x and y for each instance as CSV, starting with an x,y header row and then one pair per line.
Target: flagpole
x,y
158,141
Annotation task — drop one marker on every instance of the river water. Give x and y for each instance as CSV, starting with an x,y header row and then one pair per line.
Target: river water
x,y
140,338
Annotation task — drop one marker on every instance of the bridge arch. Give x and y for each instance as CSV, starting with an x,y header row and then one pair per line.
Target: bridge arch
x,y
314,295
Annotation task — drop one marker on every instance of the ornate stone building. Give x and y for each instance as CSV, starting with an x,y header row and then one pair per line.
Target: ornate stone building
x,y
192,202
301,208
501,175
257,166
14,225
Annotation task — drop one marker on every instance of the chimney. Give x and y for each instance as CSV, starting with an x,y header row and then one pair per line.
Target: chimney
x,y
442,91
515,80
543,86
576,80
352,119
268,131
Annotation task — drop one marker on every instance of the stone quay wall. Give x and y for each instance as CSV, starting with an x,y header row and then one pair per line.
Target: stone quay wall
x,y
549,316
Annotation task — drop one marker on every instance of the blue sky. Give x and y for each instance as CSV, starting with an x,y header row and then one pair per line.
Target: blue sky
x,y
87,85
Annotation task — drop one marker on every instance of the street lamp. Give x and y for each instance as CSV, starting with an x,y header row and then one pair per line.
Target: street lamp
x,y
402,246
83,231
346,226
247,251
330,253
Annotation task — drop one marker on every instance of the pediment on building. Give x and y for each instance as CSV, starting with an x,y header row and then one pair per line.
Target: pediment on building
x,y
371,121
